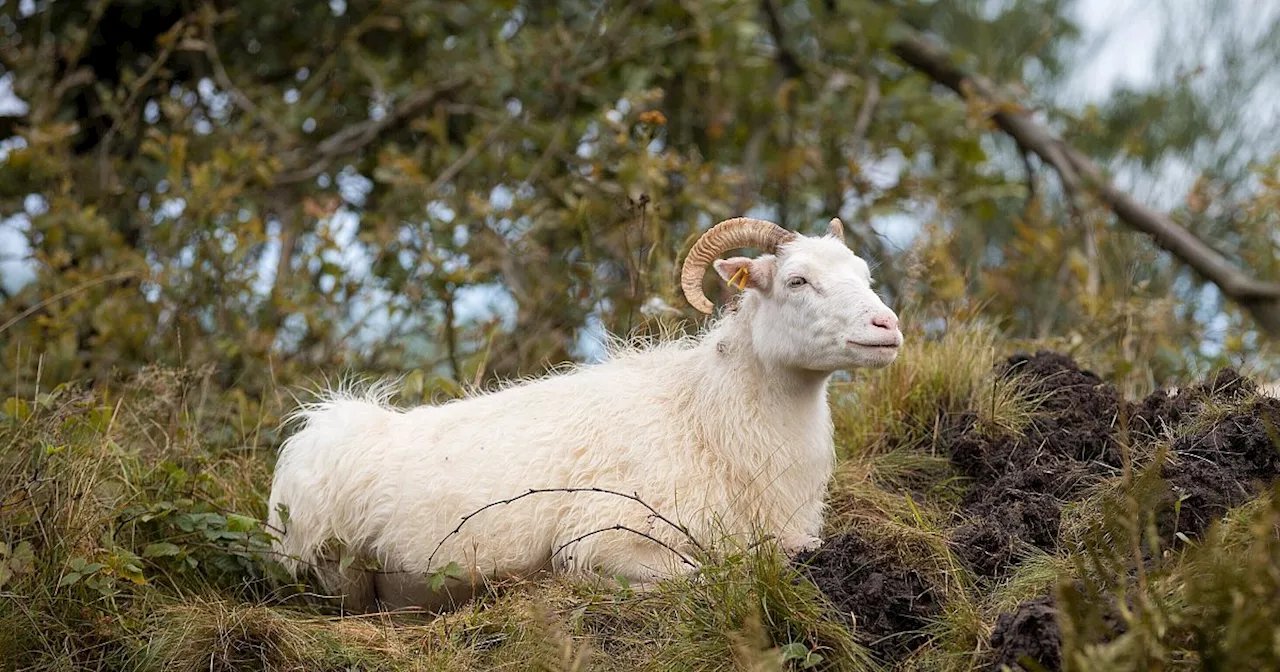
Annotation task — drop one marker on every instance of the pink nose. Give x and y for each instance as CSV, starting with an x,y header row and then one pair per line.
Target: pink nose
x,y
887,321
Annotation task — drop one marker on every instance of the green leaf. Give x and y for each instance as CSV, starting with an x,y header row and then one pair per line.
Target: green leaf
x,y
161,549
451,570
282,510
23,560
240,523
15,407
794,651
454,570
5,574
812,661
69,579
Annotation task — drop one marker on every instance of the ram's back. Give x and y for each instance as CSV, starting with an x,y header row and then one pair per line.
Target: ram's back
x,y
406,479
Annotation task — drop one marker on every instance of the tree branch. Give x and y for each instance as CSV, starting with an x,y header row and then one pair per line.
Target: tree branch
x,y
786,59
468,156
866,113
1031,180
624,528
358,136
1260,298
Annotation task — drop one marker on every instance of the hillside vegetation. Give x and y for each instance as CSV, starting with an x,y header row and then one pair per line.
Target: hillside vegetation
x,y
209,209
988,505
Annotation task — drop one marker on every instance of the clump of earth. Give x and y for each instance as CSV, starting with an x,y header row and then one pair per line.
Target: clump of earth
x,y
1018,485
886,601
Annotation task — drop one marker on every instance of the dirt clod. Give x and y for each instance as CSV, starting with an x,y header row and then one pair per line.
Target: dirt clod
x,y
1077,415
1030,631
1161,412
989,542
889,601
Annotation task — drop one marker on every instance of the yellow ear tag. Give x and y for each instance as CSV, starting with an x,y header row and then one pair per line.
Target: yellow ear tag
x,y
739,278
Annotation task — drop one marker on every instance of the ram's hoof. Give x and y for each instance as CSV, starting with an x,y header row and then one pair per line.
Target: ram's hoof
x,y
795,547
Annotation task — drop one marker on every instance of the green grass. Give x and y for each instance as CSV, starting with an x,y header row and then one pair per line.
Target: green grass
x,y
130,539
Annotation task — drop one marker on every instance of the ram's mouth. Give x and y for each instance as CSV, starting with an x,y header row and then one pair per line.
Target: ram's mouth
x,y
874,346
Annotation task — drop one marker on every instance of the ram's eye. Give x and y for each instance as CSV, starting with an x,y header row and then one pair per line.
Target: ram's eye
x,y
797,281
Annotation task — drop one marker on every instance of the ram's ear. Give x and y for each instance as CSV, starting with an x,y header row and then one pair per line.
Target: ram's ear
x,y
742,272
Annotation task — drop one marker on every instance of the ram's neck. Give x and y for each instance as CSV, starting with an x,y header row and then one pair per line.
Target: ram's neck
x,y
770,410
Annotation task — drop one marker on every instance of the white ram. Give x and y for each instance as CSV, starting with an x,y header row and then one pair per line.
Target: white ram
x,y
726,432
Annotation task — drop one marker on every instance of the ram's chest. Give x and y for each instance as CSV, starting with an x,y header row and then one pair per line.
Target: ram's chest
x,y
766,474
798,472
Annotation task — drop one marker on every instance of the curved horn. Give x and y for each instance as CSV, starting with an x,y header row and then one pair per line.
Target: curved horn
x,y
836,228
727,235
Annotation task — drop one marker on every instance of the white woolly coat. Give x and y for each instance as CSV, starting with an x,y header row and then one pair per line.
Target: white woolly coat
x,y
698,429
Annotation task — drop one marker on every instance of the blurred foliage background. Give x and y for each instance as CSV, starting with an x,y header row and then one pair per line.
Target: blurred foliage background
x,y
482,189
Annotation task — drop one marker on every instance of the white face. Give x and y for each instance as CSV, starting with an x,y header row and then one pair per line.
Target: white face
x,y
815,307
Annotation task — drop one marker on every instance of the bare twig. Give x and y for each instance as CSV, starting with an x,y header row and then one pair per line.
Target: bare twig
x,y
451,334
64,294
171,42
241,100
468,156
624,528
484,358
540,491
861,225
1260,298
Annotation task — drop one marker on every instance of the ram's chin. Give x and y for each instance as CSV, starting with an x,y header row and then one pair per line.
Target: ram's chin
x,y
874,357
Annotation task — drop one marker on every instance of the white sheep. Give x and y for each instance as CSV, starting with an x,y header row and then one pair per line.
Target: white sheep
x,y
728,432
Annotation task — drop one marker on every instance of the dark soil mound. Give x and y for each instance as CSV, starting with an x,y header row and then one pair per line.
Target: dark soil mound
x,y
1019,485
888,600
1019,482
1030,631
1020,506
1077,414
1160,413
1222,466
1074,440
1073,426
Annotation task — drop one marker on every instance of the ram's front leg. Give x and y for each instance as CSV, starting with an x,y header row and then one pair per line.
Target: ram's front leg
x,y
796,544
648,563
800,533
